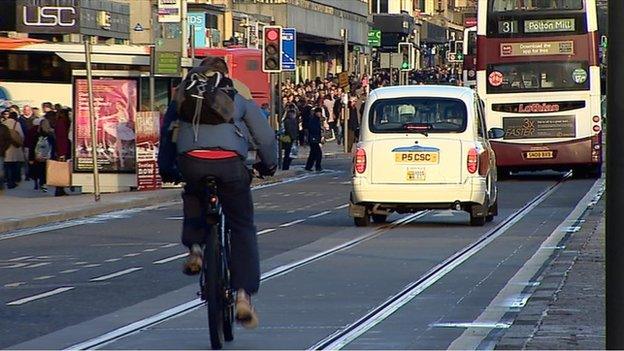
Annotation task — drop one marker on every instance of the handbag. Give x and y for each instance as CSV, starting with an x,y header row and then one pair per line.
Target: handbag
x,y
58,173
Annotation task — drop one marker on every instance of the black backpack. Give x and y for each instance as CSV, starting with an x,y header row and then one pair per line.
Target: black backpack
x,y
208,97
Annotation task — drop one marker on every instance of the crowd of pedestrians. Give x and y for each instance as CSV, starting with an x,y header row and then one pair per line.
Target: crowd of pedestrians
x,y
29,137
442,74
314,113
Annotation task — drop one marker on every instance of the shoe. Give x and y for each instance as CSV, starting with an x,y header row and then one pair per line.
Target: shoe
x,y
308,169
245,312
319,170
193,263
44,189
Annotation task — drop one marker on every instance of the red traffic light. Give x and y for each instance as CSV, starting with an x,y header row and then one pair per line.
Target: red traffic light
x,y
272,34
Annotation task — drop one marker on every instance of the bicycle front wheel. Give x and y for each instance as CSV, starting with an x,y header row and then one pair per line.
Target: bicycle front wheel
x,y
214,289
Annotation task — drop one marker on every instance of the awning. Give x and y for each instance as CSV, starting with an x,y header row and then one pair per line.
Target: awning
x,y
14,43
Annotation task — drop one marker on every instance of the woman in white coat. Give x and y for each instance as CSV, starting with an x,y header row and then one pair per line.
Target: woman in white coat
x,y
14,156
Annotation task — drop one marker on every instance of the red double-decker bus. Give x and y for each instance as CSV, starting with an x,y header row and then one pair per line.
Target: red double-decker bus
x,y
538,72
245,65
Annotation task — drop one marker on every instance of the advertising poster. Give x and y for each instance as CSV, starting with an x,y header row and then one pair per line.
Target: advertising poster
x,y
115,102
147,143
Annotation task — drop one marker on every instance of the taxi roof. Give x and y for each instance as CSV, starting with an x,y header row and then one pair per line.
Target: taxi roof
x,y
447,91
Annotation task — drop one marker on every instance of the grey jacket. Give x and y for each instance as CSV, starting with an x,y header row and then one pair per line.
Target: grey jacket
x,y
250,130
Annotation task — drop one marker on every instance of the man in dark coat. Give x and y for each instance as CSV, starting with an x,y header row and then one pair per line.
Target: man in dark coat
x,y
314,138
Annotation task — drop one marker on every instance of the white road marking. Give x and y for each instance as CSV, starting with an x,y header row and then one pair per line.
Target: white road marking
x,y
17,265
67,271
266,231
14,285
169,245
172,258
116,274
319,214
44,277
149,250
39,296
19,258
175,218
81,263
291,223
91,265
113,260
132,254
494,325
38,265
341,207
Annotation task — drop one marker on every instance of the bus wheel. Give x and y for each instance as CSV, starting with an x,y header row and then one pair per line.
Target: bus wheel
x,y
502,173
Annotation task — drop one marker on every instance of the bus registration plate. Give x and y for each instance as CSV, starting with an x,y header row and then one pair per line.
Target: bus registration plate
x,y
416,157
539,154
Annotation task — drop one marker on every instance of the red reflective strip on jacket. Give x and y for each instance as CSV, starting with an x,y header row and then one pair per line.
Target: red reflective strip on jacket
x,y
212,154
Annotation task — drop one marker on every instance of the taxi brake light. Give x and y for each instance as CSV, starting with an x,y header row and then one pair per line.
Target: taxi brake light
x,y
360,161
472,162
596,119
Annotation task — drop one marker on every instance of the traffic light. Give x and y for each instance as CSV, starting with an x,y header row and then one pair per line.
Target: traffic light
x,y
272,49
406,50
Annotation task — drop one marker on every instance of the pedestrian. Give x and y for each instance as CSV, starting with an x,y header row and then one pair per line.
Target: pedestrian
x,y
61,142
291,134
314,139
14,155
353,133
40,146
5,142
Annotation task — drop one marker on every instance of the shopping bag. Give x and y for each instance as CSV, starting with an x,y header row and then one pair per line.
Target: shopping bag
x,y
58,173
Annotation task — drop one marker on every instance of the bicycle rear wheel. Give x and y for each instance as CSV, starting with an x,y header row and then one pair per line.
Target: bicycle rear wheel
x,y
214,288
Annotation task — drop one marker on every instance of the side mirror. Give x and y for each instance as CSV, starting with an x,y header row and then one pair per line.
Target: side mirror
x,y
496,133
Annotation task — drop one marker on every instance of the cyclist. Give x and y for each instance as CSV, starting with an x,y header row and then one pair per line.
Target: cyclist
x,y
220,151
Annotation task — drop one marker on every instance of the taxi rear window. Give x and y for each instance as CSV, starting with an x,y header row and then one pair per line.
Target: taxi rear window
x,y
418,114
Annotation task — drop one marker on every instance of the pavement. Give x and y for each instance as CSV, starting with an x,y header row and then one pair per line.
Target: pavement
x,y
567,309
29,208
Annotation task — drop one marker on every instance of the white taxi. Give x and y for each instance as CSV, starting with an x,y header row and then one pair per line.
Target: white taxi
x,y
424,147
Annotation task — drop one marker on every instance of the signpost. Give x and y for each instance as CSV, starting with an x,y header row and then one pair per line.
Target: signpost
x,y
374,38
289,49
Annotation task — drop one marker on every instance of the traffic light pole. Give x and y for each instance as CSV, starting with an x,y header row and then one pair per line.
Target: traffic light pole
x,y
615,188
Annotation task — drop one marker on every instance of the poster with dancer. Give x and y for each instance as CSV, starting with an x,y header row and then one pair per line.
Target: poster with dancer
x,y
147,142
115,103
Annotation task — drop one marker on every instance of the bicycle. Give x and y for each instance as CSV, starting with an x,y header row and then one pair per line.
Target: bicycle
x,y
215,277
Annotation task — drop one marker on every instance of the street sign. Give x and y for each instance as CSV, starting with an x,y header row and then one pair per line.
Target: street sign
x,y
289,49
343,79
167,63
374,38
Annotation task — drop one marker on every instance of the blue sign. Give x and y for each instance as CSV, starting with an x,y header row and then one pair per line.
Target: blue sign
x,y
198,19
289,49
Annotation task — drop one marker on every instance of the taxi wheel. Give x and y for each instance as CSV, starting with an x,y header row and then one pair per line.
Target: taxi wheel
x,y
362,221
475,219
377,218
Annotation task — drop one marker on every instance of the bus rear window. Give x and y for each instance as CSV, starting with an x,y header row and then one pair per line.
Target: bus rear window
x,y
411,114
536,5
537,76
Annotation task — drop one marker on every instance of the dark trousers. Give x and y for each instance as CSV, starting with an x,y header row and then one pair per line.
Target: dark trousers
x,y
233,186
12,173
38,173
315,156
287,160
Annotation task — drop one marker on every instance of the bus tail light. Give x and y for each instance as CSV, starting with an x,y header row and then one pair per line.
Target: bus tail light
x,y
596,145
360,160
472,162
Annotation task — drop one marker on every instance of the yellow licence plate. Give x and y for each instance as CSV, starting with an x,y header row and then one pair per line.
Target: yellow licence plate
x,y
416,157
539,154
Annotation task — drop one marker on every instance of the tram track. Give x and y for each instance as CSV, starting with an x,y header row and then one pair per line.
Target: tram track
x,y
351,332
124,331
